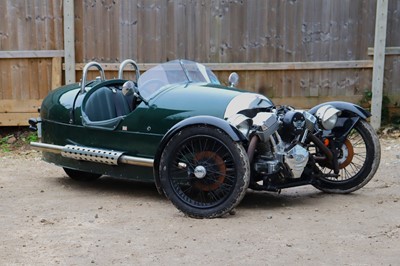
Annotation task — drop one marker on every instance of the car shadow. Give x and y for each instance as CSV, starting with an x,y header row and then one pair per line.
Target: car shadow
x,y
107,184
300,196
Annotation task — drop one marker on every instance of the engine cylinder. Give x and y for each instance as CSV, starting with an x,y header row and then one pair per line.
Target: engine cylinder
x,y
293,125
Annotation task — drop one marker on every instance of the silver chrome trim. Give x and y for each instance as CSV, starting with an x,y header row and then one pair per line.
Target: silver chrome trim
x,y
138,161
241,102
89,154
85,71
122,66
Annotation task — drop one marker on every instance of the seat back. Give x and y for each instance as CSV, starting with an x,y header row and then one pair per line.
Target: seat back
x,y
107,103
101,105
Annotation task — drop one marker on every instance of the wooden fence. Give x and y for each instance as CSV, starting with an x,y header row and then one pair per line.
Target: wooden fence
x,y
31,51
297,52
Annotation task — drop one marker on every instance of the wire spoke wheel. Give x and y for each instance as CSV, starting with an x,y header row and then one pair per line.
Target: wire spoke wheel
x,y
203,172
209,175
352,157
358,160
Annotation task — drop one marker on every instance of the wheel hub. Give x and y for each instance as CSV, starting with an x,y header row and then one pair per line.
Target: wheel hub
x,y
210,171
346,154
200,172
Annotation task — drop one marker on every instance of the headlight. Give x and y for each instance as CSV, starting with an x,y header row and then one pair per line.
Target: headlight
x,y
242,123
328,116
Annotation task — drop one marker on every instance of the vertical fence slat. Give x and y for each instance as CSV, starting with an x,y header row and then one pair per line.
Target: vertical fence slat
x,y
379,62
69,41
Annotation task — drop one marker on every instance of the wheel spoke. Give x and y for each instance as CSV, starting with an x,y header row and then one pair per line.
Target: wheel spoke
x,y
213,196
355,147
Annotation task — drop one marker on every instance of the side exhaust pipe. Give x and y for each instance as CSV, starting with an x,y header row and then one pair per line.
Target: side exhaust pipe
x,y
109,157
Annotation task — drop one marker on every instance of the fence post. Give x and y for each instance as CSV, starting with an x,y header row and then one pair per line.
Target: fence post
x,y
69,41
379,62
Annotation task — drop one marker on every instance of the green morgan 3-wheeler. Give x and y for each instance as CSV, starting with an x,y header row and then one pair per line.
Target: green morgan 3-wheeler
x,y
203,144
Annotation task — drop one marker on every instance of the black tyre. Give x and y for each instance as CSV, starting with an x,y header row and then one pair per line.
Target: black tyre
x,y
358,159
203,172
80,175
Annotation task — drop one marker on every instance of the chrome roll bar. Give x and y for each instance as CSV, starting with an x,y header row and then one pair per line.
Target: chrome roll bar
x,y
85,71
123,65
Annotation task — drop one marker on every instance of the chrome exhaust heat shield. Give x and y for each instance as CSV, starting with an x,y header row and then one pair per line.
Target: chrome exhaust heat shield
x,y
103,156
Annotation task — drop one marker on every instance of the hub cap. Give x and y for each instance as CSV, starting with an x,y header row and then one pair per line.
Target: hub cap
x,y
200,172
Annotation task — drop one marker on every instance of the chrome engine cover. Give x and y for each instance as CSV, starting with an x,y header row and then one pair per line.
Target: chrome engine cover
x,y
297,158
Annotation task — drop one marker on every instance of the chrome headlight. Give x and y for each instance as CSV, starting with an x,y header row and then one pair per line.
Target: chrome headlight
x,y
328,116
242,123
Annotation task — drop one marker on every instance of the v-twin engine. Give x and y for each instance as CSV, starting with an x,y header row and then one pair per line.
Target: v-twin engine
x,y
278,154
297,158
294,160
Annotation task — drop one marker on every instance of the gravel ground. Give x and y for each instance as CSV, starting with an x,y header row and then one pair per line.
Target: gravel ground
x,y
49,219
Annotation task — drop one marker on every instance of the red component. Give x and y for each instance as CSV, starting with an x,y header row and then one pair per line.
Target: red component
x,y
326,142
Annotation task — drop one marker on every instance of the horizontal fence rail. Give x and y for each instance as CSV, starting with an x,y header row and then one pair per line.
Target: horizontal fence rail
x,y
256,66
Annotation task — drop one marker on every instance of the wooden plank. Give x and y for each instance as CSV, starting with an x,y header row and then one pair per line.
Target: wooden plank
x,y
6,80
379,62
58,38
44,77
56,72
362,40
256,66
20,106
128,36
69,41
309,102
4,77
32,78
24,74
388,51
293,65
12,39
16,79
79,32
31,54
16,119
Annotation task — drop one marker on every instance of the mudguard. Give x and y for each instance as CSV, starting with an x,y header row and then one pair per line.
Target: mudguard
x,y
197,120
350,115
344,106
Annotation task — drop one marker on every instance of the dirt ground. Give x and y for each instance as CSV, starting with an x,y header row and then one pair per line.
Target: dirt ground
x,y
48,219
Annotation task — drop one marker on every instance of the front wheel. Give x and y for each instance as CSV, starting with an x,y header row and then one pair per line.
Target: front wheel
x,y
358,160
203,172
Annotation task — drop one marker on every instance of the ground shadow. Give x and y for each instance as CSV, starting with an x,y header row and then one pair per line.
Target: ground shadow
x,y
107,184
301,196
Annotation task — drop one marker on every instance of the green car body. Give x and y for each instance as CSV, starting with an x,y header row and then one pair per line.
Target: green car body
x,y
140,133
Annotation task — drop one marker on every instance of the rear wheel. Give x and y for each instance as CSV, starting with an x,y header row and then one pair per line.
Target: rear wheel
x,y
80,175
203,172
358,161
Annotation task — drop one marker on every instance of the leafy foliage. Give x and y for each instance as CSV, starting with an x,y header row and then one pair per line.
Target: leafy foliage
x,y
16,138
366,103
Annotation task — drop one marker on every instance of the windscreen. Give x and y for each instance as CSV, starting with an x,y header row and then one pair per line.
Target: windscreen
x,y
174,72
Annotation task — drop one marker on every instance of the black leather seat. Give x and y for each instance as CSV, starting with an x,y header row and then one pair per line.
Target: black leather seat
x,y
106,104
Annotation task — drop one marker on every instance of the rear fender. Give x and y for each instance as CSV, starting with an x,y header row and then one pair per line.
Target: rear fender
x,y
197,120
